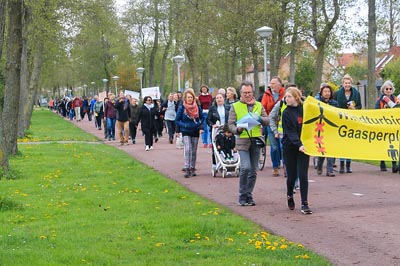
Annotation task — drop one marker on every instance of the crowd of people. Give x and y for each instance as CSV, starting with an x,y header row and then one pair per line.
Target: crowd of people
x,y
278,112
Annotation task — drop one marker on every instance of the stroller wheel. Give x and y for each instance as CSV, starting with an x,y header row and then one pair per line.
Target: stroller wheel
x,y
237,171
224,172
213,171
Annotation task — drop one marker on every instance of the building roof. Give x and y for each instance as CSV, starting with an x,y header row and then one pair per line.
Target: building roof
x,y
389,56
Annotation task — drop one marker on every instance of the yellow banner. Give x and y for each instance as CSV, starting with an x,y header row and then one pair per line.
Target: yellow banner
x,y
355,134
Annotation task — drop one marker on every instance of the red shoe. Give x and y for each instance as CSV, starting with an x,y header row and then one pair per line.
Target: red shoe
x,y
210,145
204,145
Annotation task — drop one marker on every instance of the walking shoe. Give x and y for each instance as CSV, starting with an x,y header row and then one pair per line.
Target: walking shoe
x,y
305,209
319,171
250,201
210,145
395,169
171,141
275,172
147,148
330,174
290,203
133,141
151,147
204,145
242,200
192,172
156,140
187,173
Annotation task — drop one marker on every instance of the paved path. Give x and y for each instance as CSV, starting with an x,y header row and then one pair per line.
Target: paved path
x,y
356,216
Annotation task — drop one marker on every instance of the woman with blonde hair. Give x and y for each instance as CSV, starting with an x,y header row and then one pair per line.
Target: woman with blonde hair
x,y
231,96
189,122
347,97
293,149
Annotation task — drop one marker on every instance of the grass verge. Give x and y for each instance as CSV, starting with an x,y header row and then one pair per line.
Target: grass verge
x,y
91,204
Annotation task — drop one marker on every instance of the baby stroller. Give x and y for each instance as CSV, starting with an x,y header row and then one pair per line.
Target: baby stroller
x,y
223,166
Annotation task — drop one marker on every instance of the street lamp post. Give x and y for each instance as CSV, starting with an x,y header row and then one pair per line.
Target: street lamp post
x,y
264,33
93,87
84,89
179,60
115,78
140,70
105,85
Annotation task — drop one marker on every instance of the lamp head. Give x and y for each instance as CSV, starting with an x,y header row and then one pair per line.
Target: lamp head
x,y
178,59
264,32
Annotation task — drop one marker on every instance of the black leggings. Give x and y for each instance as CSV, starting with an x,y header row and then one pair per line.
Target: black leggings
x,y
296,166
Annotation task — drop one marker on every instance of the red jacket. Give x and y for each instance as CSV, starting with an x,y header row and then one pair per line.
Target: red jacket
x,y
268,102
76,102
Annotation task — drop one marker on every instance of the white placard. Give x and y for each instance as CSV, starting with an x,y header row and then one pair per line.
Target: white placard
x,y
153,92
134,94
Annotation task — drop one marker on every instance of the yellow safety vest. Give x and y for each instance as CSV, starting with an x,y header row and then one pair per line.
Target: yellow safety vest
x,y
280,127
241,110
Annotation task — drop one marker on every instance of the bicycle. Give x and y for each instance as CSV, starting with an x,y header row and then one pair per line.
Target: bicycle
x,y
263,156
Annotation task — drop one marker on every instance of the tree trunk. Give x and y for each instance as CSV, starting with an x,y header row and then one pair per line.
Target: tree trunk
x,y
24,72
371,89
191,54
256,84
293,50
231,78
13,75
164,65
320,36
2,23
155,44
33,86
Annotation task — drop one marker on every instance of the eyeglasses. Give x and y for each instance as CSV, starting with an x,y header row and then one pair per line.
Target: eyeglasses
x,y
389,89
148,100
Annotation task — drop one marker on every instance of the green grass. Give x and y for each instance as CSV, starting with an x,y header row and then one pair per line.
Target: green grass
x,y
91,204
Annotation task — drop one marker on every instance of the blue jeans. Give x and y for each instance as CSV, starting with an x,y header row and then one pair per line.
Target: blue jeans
x,y
111,127
205,136
248,170
274,150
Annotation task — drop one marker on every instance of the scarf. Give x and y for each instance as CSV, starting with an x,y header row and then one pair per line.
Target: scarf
x,y
192,110
149,106
250,102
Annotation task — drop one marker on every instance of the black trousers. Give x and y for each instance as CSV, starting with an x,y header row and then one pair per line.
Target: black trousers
x,y
296,166
132,129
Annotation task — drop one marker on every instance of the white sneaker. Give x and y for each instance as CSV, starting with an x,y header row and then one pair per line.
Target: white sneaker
x,y
147,148
151,147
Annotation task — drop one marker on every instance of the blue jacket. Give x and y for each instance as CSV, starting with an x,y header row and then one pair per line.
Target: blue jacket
x,y
186,125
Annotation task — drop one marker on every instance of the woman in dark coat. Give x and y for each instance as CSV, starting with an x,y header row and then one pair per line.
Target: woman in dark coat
x,y
147,118
218,113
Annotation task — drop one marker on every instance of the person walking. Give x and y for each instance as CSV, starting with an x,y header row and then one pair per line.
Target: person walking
x,y
273,94
168,107
189,122
98,110
247,140
146,117
293,149
110,115
326,96
217,116
205,100
124,113
76,105
135,110
347,97
387,100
